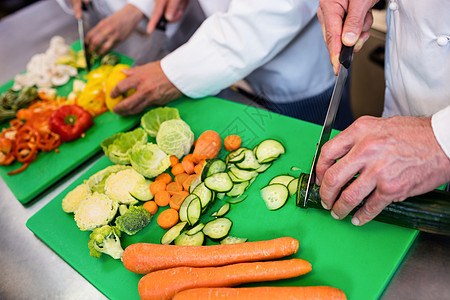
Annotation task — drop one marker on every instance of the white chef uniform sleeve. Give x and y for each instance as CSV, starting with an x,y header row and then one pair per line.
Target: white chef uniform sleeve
x,y
440,123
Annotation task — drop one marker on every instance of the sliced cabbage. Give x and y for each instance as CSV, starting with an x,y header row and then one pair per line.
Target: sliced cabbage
x,y
149,160
151,120
175,137
73,199
96,182
95,211
119,185
116,147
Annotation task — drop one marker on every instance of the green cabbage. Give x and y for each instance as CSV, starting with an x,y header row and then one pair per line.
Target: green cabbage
x,y
149,160
116,147
175,137
151,120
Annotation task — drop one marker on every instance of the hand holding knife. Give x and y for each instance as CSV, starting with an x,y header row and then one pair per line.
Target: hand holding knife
x,y
87,56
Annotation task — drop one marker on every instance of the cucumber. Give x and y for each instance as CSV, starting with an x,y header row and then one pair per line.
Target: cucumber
x,y
269,150
222,211
194,184
243,175
232,240
292,187
275,195
194,211
220,196
212,167
190,240
195,229
282,179
263,167
172,233
236,200
238,189
235,156
219,182
141,191
234,178
249,162
205,195
217,229
182,212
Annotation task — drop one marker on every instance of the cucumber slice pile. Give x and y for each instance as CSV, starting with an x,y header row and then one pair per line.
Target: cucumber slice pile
x,y
279,189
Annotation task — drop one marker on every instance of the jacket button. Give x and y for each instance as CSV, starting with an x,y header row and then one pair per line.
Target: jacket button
x,y
442,40
393,6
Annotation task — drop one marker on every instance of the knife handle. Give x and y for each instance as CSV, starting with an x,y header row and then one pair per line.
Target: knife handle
x,y
346,56
161,25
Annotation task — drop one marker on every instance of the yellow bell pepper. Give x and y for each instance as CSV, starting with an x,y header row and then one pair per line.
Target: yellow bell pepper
x,y
114,77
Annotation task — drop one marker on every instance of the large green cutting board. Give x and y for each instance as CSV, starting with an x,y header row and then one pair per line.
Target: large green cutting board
x,y
50,167
358,260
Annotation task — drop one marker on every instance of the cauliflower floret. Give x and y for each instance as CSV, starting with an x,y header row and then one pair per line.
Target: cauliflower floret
x,y
73,199
95,211
105,239
119,185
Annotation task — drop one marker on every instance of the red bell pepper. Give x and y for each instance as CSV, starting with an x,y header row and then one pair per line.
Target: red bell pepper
x,y
70,122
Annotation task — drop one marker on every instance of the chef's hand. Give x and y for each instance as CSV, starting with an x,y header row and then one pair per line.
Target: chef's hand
x,y
395,158
355,31
172,10
152,86
76,4
113,29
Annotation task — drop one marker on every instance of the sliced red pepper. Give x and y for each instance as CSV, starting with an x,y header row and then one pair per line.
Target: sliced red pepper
x,y
49,141
70,122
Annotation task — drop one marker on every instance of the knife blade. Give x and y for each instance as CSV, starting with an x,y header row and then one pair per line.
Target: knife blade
x,y
87,56
152,49
345,59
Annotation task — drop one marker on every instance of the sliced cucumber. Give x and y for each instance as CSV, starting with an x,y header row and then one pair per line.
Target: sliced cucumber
x,y
190,240
249,162
236,200
220,196
194,184
263,167
292,187
195,229
282,179
194,211
141,191
232,240
269,150
212,167
219,182
222,211
275,195
172,233
182,212
205,195
235,156
234,178
238,189
217,229
243,175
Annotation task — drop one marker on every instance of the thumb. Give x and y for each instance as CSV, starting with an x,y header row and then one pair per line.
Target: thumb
x,y
354,22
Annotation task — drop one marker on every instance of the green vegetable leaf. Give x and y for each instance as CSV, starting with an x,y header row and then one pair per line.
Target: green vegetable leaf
x,y
149,160
153,119
175,137
116,147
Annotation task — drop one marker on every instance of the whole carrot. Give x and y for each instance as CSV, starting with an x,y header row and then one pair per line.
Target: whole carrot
x,y
264,292
144,258
164,284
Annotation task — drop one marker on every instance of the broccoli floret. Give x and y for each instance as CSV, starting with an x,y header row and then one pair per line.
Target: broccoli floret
x,y
105,239
133,220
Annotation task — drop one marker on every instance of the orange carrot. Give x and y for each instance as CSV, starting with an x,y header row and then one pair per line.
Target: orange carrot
x,y
207,146
188,181
173,160
180,178
199,167
232,142
263,292
164,177
168,218
177,169
174,187
177,199
188,166
151,206
162,198
157,186
189,157
164,284
143,258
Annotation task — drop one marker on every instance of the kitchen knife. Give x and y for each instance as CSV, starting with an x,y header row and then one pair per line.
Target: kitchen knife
x,y
87,55
345,59
152,49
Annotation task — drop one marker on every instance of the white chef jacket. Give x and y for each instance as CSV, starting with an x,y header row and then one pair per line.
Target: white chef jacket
x,y
417,65
276,45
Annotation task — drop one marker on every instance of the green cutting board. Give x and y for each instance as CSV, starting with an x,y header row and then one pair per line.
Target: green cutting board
x,y
49,167
359,260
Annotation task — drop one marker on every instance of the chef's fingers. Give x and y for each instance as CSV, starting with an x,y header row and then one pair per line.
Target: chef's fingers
x,y
353,195
124,86
364,36
355,20
175,9
373,206
107,45
129,105
76,5
158,12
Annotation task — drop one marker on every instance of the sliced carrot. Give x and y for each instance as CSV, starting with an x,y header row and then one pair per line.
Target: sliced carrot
x,y
207,146
162,198
143,258
177,198
189,157
164,284
164,177
173,160
177,169
232,142
263,292
157,186
168,218
188,166
187,183
180,178
199,167
174,187
151,207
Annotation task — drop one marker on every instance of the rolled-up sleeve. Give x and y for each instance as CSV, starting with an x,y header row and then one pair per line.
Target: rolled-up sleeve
x,y
440,123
